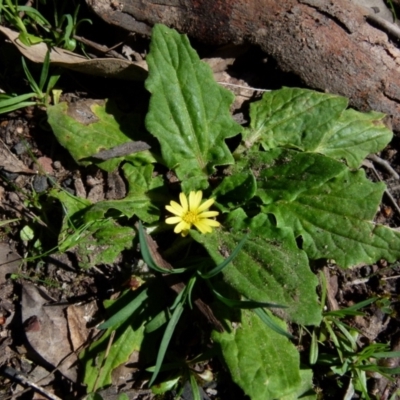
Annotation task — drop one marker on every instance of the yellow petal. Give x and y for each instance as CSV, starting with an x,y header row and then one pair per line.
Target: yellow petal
x,y
208,214
184,202
202,226
207,204
195,200
175,208
182,226
173,220
211,222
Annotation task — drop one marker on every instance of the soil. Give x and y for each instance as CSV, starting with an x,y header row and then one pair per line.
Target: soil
x,y
43,297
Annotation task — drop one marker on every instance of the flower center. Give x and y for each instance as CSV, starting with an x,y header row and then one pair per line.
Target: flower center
x,y
190,217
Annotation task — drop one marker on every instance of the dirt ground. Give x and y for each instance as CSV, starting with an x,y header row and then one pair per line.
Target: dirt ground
x,y
43,299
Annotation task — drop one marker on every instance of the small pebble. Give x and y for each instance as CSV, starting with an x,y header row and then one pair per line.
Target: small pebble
x,y
9,176
21,147
67,182
40,183
57,165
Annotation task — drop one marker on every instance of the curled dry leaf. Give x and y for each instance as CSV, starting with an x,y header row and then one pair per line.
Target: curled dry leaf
x,y
9,262
79,317
46,330
10,162
106,67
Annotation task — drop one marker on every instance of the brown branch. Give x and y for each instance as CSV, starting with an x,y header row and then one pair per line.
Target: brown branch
x,y
329,44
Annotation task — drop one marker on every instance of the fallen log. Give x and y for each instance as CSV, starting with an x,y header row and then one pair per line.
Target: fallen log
x,y
333,46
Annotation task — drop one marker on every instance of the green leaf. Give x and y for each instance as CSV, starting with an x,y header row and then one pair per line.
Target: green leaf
x,y
103,243
306,389
262,362
87,128
148,258
219,268
165,386
291,116
169,330
355,135
269,268
10,103
235,190
268,320
128,338
189,111
333,215
96,241
315,122
125,312
285,174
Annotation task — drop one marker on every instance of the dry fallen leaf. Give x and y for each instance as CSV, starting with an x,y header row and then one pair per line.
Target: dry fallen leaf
x,y
9,261
46,330
105,67
78,319
10,162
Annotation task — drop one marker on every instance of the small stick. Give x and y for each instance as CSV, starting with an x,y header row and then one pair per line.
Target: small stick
x,y
386,26
357,281
99,47
110,342
384,164
13,374
244,87
386,278
388,194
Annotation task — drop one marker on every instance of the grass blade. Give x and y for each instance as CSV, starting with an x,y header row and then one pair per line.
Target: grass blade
x,y
32,82
169,330
225,263
125,312
45,71
313,356
270,323
245,304
147,257
195,387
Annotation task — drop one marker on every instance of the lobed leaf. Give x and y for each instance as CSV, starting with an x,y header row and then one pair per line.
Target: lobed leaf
x,y
316,122
92,126
269,267
98,363
189,111
334,219
262,362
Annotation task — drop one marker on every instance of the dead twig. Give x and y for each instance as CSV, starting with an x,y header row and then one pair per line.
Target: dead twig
x,y
384,164
11,373
244,87
375,172
109,344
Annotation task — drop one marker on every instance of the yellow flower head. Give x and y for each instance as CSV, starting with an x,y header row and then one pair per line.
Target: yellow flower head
x,y
192,212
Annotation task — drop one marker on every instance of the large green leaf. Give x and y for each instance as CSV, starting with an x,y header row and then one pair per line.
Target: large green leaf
x,y
353,136
108,128
316,122
103,242
95,240
189,111
269,268
235,190
262,362
305,390
332,214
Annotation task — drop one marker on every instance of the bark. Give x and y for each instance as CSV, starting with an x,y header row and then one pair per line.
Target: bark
x,y
333,46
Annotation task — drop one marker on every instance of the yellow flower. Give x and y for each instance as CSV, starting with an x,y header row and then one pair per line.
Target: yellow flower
x,y
192,212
